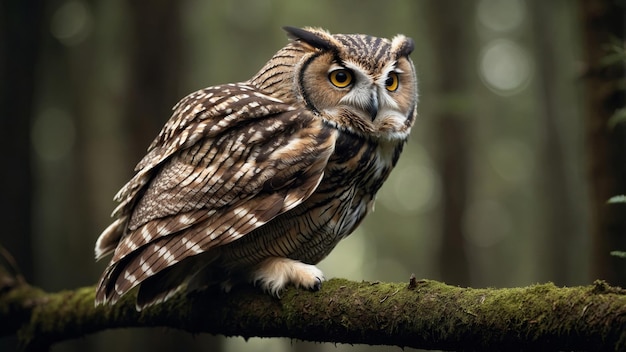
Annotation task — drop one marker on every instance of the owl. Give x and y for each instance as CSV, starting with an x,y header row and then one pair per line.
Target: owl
x,y
256,182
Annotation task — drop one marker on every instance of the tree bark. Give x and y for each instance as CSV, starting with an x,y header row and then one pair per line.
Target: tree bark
x,y
451,41
421,314
559,211
603,24
20,36
156,69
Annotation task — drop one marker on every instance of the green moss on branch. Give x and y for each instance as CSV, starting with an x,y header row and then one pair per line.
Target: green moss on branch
x,y
429,315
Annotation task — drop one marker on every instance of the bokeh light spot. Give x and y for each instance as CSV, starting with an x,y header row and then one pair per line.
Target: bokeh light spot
x,y
71,23
505,67
501,15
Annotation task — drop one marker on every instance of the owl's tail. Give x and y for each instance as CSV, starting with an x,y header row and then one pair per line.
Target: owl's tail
x,y
155,289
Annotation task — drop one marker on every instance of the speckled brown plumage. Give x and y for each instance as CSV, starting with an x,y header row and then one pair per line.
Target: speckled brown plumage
x,y
258,181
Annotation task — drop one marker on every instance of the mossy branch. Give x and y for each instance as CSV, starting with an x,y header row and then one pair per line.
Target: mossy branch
x,y
423,314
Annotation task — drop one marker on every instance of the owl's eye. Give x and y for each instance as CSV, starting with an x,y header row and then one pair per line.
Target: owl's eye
x,y
392,82
340,78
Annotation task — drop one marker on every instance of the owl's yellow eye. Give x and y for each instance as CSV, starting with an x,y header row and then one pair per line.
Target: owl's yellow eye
x,y
340,78
392,82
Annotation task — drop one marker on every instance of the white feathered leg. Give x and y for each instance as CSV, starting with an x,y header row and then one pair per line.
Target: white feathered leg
x,y
274,274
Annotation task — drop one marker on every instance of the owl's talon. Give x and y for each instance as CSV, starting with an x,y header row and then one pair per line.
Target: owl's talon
x,y
318,285
275,273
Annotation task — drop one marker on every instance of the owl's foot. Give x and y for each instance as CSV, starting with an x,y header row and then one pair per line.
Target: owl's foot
x,y
274,274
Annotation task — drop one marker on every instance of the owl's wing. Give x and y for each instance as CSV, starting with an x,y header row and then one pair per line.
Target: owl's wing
x,y
230,160
206,114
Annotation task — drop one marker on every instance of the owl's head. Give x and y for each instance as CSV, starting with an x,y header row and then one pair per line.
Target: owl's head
x,y
361,84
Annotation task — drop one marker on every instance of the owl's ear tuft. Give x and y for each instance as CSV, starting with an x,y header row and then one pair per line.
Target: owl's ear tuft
x,y
402,45
311,38
408,47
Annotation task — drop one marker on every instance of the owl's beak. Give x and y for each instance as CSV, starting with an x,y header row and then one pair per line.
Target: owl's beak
x,y
372,107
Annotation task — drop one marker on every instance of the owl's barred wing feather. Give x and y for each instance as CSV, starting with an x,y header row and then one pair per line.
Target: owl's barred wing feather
x,y
207,113
240,178
217,173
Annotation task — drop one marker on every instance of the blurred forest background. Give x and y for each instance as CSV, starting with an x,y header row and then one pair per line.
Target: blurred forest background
x,y
504,181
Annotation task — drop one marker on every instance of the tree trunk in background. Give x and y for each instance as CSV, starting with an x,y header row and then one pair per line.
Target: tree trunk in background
x,y
555,252
603,23
20,37
450,45
156,70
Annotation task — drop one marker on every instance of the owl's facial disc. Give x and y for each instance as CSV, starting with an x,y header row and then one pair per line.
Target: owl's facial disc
x,y
368,90
370,95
